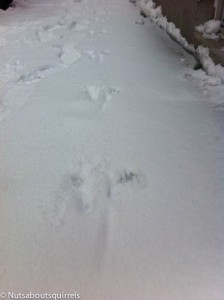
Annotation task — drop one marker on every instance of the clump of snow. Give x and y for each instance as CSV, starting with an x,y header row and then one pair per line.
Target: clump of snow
x,y
210,29
212,26
147,7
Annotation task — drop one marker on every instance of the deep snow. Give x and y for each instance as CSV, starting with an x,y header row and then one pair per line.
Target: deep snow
x,y
111,154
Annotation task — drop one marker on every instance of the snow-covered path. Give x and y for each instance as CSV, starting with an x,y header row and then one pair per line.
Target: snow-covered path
x,y
109,182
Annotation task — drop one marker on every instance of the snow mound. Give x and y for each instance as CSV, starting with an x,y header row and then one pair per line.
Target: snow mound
x,y
210,29
206,61
212,26
147,7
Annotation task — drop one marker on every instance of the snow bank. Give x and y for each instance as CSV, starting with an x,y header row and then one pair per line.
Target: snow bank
x,y
202,54
148,9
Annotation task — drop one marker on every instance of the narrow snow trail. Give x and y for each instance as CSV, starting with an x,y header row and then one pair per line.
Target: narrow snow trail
x,y
109,158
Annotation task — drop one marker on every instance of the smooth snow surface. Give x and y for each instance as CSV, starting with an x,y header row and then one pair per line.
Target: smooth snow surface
x,y
111,155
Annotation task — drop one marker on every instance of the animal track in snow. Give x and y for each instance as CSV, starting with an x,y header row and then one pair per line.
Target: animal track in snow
x,y
100,55
56,25
108,96
80,190
94,99
79,26
38,74
47,32
101,94
94,91
90,54
130,177
69,55
92,186
45,36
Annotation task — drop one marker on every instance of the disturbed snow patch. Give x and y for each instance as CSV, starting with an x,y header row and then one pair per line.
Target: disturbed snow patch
x,y
38,74
95,98
69,55
88,185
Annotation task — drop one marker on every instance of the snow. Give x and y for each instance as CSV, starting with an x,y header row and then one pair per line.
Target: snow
x,y
111,154
149,9
206,61
210,29
211,26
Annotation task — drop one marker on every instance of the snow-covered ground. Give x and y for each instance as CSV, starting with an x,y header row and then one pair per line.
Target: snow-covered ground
x,y
111,155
